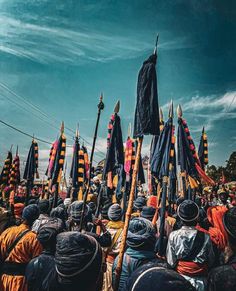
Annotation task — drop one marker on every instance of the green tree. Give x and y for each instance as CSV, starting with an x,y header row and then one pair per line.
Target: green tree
x,y
231,167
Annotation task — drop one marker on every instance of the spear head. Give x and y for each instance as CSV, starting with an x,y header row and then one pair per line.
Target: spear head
x,y
155,49
129,129
101,104
117,107
17,150
203,130
179,111
171,109
161,114
62,127
77,131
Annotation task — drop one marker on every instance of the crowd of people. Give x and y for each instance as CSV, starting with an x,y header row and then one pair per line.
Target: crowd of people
x,y
44,246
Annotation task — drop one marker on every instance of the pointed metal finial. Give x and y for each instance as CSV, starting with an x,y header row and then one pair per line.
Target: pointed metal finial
x,y
171,109
203,130
129,129
179,111
161,114
155,49
117,107
77,131
101,104
62,127
11,148
17,150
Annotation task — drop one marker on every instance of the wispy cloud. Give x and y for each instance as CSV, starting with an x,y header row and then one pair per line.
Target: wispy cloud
x,y
46,44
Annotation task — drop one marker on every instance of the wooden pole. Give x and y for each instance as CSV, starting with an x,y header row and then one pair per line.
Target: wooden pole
x,y
155,217
128,215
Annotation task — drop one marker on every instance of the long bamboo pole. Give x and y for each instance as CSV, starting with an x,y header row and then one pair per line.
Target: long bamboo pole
x,y
128,215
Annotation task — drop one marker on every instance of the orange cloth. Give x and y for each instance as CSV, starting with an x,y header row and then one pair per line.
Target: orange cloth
x,y
152,201
215,216
191,269
216,236
27,248
18,209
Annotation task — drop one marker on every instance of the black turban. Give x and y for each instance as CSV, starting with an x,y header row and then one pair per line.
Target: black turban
x,y
152,277
148,212
43,206
30,213
58,212
139,203
75,211
77,255
188,211
141,234
229,221
47,232
115,212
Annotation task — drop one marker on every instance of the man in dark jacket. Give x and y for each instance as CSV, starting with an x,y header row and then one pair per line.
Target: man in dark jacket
x,y
39,267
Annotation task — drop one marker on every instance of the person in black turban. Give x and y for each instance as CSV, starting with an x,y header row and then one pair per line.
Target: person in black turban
x,y
156,277
148,212
73,223
78,262
30,213
224,277
43,217
58,212
38,268
141,239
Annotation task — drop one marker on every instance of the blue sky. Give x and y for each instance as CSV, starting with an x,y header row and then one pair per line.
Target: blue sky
x,y
59,55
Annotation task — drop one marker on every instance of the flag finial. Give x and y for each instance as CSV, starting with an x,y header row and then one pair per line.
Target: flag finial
x,y
179,111
62,127
171,110
129,129
155,49
117,107
161,114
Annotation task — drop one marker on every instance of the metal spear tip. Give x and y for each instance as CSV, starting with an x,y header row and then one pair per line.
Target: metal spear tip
x,y
155,49
17,150
77,131
117,107
129,129
101,97
203,129
179,111
62,127
171,109
161,114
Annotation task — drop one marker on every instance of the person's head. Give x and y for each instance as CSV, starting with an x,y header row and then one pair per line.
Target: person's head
x,y
92,206
141,234
139,203
30,214
67,202
152,277
229,221
115,212
104,211
35,191
43,206
188,212
48,232
58,212
78,260
75,212
148,212
224,196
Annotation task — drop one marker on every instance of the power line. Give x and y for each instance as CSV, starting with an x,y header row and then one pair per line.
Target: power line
x,y
33,106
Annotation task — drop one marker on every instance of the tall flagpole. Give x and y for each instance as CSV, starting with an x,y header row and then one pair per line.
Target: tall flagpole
x,y
100,108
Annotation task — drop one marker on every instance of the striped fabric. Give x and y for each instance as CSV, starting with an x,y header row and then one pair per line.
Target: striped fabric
x,y
58,160
6,171
15,172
